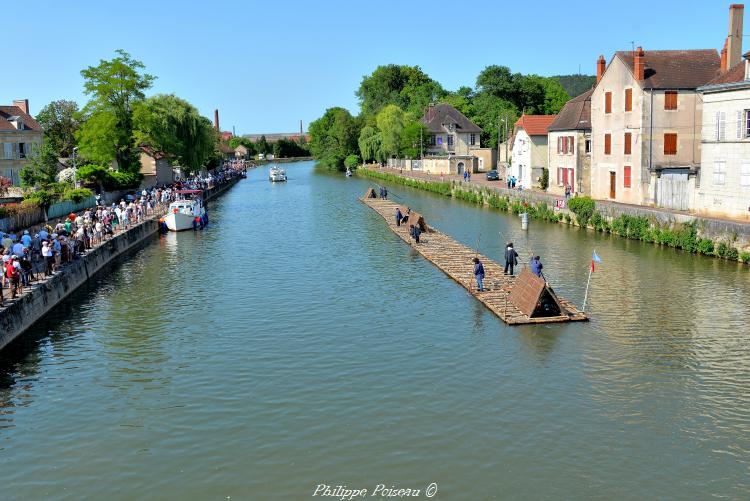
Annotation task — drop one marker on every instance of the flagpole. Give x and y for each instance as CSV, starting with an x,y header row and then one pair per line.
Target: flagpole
x,y
586,296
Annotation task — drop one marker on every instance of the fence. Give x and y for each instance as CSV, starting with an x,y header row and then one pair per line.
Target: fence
x,y
32,216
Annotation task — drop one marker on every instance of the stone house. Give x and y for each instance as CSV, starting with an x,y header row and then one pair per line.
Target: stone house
x,y
20,137
454,136
529,154
646,125
569,147
724,183
156,169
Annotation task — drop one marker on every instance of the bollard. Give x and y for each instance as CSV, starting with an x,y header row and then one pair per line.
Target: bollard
x,y
525,221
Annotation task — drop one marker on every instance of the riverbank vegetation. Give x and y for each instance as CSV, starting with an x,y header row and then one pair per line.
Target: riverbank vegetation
x,y
101,144
394,98
584,214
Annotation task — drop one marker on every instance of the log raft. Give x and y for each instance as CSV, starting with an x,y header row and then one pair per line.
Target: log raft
x,y
455,260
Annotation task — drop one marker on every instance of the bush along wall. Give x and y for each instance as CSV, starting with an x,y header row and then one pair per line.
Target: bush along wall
x,y
581,212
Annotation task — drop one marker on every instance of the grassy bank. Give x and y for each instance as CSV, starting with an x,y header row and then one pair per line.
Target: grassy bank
x,y
582,213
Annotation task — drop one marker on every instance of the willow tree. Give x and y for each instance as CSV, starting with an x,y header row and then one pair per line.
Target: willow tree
x,y
173,128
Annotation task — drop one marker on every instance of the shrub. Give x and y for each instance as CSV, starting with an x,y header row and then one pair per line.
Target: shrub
x,y
41,198
722,249
77,195
544,179
583,208
744,257
351,161
733,254
705,246
568,219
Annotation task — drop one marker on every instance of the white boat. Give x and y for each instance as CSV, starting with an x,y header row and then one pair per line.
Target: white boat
x,y
348,173
275,174
183,213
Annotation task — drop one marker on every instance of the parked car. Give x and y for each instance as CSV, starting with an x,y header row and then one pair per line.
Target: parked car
x,y
493,176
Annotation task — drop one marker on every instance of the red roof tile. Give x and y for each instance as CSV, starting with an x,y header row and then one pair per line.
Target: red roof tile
x,y
735,74
9,111
535,125
676,69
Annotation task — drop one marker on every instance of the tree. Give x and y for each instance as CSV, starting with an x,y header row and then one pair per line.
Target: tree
x,y
114,87
369,144
262,145
59,119
407,87
334,137
498,81
555,96
390,122
413,136
173,128
41,170
352,161
488,110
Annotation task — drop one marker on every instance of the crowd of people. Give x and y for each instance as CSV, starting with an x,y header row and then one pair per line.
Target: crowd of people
x,y
39,252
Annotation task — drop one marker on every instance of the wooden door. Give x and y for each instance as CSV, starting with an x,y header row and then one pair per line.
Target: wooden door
x,y
612,185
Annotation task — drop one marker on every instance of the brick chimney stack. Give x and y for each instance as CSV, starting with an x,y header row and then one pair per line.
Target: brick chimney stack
x,y
724,56
601,65
734,49
639,65
301,130
216,120
23,104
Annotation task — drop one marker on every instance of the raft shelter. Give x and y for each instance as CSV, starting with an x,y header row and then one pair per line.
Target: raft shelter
x,y
522,299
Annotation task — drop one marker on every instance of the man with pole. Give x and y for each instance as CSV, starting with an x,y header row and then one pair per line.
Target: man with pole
x,y
594,259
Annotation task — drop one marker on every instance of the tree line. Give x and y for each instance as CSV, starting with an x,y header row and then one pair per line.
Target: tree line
x,y
394,98
106,137
283,148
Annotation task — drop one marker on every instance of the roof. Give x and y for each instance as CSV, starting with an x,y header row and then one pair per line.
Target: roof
x,y
575,115
535,125
676,69
443,113
6,112
735,74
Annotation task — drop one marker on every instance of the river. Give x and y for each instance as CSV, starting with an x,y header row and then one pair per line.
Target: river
x,y
297,341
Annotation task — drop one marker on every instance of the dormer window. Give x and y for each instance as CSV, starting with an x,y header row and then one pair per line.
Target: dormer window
x,y
17,122
451,127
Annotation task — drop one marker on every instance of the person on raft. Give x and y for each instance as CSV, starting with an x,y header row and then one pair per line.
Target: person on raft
x,y
511,258
536,266
479,273
399,216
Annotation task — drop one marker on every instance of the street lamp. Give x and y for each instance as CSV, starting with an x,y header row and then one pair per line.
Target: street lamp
x,y
75,170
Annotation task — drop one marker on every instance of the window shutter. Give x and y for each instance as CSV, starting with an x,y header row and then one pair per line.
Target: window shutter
x,y
628,99
627,149
722,126
739,124
718,114
607,144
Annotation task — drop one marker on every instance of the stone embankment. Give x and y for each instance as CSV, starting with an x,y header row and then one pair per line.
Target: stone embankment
x,y
710,236
42,296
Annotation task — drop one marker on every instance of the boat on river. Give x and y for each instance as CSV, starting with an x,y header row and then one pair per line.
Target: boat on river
x,y
348,172
275,174
184,213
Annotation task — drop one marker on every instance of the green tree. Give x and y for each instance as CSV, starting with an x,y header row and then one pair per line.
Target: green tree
x,y
555,96
41,169
334,137
407,87
488,110
498,81
173,127
262,146
390,122
59,119
369,144
413,136
352,161
115,86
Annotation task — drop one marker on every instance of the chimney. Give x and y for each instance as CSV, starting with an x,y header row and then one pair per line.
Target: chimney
x,y
639,65
601,65
734,49
301,130
23,104
724,56
216,120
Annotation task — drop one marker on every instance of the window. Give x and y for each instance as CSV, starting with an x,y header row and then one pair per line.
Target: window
x,y
21,150
432,140
628,148
626,176
628,99
607,102
588,146
473,139
747,123
670,143
560,176
607,144
745,174
559,145
571,144
720,171
8,151
721,125
450,141
439,140
670,100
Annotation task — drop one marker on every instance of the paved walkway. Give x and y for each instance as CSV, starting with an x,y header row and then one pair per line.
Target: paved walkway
x,y
480,179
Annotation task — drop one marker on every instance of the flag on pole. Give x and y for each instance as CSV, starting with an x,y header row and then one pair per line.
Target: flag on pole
x,y
595,259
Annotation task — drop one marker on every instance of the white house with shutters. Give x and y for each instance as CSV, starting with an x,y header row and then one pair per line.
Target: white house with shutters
x,y
724,185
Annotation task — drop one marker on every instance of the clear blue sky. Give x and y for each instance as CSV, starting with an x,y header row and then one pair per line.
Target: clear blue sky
x,y
266,65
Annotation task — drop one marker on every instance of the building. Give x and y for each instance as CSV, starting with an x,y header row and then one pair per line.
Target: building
x,y
646,123
20,137
156,169
529,155
569,147
723,187
454,142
